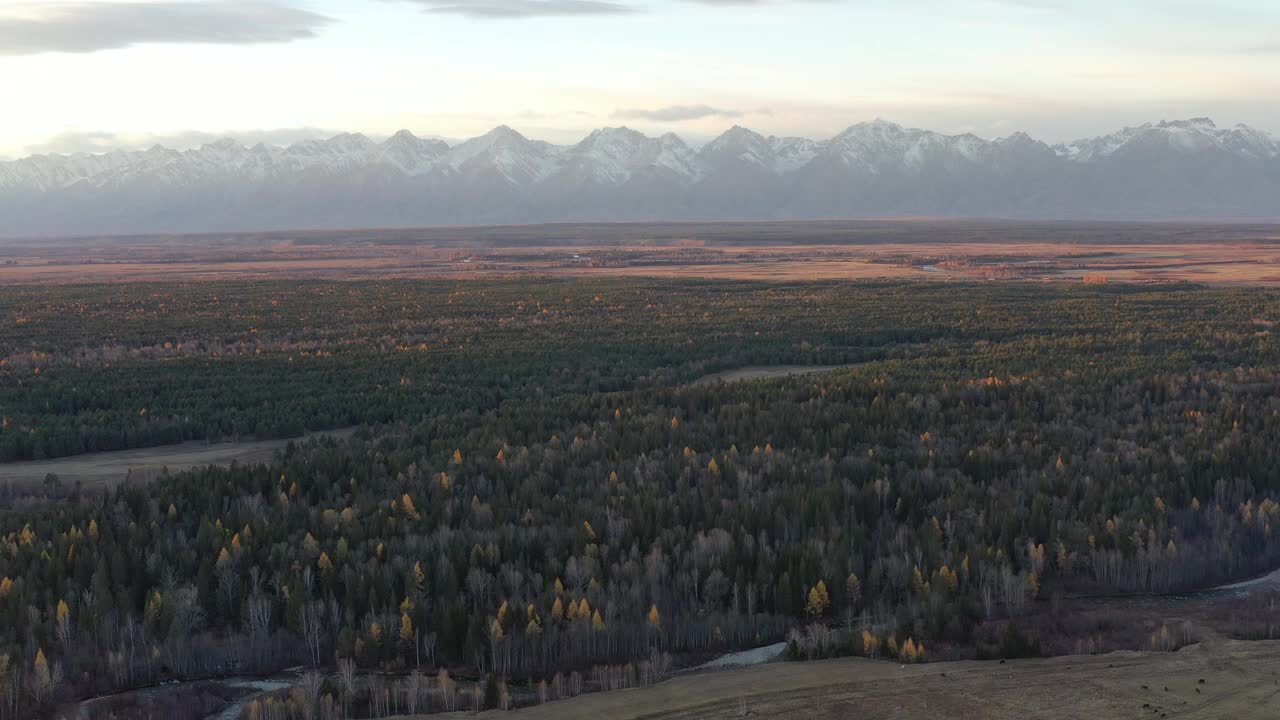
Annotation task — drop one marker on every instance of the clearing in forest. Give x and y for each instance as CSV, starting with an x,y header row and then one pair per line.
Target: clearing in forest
x,y
115,466
762,372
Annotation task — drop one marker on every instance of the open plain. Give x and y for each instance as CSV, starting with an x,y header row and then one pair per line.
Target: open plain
x,y
925,249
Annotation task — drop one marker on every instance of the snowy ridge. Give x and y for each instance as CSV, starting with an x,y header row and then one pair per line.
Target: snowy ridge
x,y
614,155
1186,136
1183,168
609,156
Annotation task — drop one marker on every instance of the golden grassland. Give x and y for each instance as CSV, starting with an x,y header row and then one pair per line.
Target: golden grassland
x,y
1227,254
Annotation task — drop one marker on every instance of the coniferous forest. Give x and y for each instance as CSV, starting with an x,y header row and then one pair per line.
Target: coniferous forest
x,y
549,491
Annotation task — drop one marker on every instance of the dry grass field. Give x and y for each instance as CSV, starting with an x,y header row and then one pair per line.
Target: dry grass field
x,y
1228,680
1226,254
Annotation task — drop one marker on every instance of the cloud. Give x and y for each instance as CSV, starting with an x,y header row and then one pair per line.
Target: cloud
x,y
97,141
730,3
677,113
85,27
514,9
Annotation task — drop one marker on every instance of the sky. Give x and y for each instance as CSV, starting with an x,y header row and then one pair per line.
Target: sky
x,y
94,75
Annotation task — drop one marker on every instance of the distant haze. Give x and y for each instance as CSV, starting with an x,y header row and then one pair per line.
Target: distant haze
x,y
97,75
1180,169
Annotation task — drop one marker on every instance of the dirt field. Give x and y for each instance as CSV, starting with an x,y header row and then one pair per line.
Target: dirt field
x,y
1241,681
921,249
109,468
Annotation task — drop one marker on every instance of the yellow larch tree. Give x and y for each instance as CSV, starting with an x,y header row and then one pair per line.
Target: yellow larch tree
x,y
949,577
870,644
40,676
917,580
853,589
406,503
819,599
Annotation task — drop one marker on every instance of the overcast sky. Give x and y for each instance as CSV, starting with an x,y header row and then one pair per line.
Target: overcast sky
x,y
92,75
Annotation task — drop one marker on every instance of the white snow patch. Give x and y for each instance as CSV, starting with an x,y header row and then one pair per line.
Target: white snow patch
x,y
755,656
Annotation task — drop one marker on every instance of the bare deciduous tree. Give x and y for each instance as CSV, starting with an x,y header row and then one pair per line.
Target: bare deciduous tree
x,y
312,627
346,677
312,684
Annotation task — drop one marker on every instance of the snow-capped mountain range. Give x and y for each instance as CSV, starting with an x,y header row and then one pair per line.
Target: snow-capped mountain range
x,y
1182,169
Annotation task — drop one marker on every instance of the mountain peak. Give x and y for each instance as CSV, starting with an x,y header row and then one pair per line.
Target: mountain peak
x,y
349,138
737,135
620,132
1199,123
223,144
877,127
503,132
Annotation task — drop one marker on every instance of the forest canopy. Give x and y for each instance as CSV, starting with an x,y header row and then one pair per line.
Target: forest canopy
x,y
540,486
